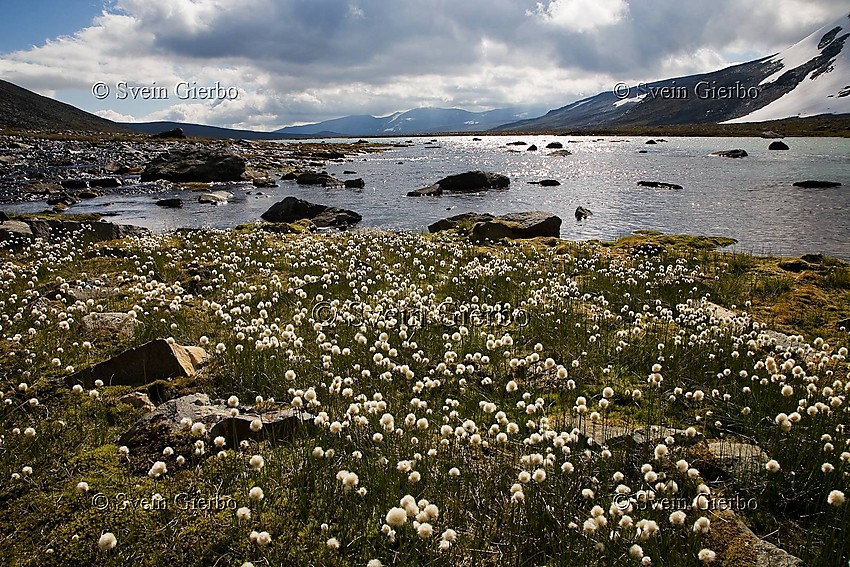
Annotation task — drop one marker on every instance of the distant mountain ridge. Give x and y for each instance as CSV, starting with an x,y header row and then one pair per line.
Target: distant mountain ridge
x,y
416,121
26,110
810,78
202,131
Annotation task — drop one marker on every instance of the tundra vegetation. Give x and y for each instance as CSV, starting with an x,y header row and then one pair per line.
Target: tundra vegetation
x,y
517,403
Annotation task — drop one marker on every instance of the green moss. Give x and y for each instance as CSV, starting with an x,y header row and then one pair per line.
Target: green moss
x,y
644,238
50,215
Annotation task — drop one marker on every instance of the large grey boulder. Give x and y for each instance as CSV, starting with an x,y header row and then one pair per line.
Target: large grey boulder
x,y
465,219
15,233
175,133
195,164
95,231
215,197
530,224
152,361
474,181
122,325
429,191
582,213
469,182
323,179
734,154
163,425
292,209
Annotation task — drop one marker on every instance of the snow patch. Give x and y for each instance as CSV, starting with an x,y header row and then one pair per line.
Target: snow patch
x,y
632,100
818,93
803,51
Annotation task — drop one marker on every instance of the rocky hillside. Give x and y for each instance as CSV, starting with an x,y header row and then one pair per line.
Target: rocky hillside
x,y
202,131
808,79
26,110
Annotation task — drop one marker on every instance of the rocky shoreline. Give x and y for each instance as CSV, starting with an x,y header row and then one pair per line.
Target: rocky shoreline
x,y
64,171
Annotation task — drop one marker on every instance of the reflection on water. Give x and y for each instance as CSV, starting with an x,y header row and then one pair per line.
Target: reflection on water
x,y
750,199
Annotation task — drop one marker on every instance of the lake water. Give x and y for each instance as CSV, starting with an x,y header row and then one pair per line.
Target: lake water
x,y
750,199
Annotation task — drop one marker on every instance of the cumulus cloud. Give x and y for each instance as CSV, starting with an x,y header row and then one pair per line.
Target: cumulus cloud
x,y
305,60
581,15
110,114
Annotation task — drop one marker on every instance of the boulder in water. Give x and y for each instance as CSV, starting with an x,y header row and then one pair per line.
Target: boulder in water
x,y
195,164
734,154
292,209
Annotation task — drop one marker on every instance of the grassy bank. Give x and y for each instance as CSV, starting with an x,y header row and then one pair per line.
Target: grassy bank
x,y
455,386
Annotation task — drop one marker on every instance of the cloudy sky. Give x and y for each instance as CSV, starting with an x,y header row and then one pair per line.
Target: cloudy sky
x,y
282,62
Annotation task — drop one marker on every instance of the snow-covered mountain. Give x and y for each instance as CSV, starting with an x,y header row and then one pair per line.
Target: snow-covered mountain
x,y
810,78
416,121
824,90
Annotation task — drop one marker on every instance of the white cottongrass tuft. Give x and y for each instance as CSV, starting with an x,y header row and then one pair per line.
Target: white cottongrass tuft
x,y
396,517
835,498
257,462
107,541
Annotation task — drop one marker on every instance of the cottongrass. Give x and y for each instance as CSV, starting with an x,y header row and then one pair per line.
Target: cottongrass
x,y
498,430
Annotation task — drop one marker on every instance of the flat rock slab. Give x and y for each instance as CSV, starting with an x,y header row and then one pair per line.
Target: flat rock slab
x,y
462,220
474,181
156,360
322,179
163,425
292,209
21,232
15,233
192,164
658,185
608,434
734,154
138,400
215,197
738,458
518,225
429,191
469,182
121,324
814,184
174,203
743,547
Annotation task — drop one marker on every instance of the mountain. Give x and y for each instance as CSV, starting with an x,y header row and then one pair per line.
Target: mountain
x,y
416,121
826,86
26,110
202,131
810,78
